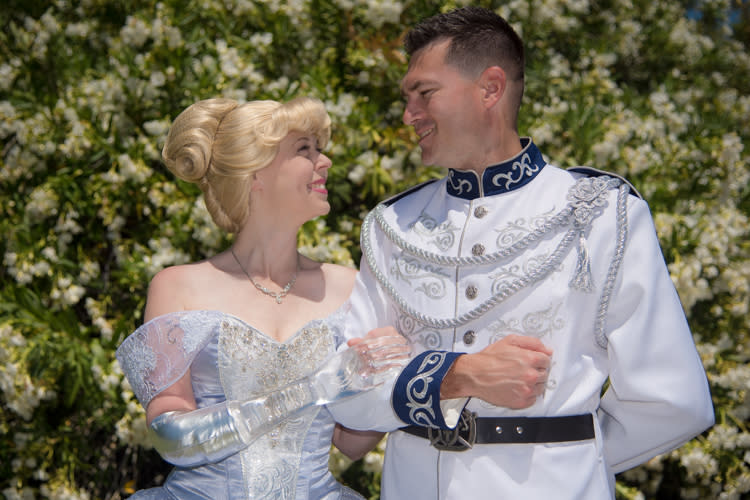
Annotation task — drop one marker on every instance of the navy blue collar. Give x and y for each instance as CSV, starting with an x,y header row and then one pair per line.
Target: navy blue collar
x,y
501,178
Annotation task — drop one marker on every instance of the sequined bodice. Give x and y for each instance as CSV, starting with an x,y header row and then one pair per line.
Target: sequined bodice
x,y
251,364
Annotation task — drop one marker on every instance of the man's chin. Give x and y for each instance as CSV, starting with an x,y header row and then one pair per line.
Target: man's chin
x,y
428,159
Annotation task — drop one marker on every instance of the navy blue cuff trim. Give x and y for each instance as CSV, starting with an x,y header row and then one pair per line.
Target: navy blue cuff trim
x,y
416,395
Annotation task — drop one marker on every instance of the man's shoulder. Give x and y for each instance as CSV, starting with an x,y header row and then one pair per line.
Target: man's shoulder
x,y
595,172
408,192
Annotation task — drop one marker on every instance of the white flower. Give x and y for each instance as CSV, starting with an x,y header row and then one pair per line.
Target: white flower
x,y
698,463
157,79
156,127
135,32
43,203
343,107
379,12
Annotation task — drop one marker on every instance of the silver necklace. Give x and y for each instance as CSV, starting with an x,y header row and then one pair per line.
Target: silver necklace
x,y
278,296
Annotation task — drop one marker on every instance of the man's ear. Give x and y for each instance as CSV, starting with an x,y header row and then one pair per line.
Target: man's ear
x,y
493,84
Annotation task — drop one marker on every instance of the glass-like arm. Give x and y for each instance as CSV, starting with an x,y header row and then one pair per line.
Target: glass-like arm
x,y
207,435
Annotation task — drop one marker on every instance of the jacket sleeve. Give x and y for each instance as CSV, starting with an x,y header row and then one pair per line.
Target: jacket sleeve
x,y
371,410
658,396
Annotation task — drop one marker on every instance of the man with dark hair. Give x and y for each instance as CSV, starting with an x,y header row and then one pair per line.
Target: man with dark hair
x,y
524,290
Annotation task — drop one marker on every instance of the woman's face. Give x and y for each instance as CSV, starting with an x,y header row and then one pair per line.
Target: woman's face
x,y
295,181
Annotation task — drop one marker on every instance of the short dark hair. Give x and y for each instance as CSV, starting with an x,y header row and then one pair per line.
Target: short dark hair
x,y
479,38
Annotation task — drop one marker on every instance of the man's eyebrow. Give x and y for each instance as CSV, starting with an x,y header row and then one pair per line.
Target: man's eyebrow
x,y
412,86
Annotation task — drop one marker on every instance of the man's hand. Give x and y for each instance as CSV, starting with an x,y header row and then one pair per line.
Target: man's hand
x,y
511,372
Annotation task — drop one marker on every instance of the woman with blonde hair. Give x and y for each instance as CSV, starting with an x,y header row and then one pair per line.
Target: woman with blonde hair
x,y
240,353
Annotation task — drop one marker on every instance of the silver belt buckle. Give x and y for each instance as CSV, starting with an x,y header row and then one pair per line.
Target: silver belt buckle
x,y
461,438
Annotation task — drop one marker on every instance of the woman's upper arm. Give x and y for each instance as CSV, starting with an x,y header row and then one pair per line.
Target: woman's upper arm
x,y
177,397
163,298
355,444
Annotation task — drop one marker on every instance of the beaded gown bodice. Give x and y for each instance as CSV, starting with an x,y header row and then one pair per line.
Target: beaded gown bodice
x,y
229,359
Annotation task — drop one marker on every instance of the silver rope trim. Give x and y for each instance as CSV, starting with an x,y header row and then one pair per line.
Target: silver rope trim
x,y
614,266
562,219
565,217
540,273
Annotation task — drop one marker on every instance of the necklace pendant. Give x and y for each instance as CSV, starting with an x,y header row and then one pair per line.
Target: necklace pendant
x,y
278,299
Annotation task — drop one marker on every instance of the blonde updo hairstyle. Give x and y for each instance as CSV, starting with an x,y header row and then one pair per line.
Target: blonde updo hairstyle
x,y
219,143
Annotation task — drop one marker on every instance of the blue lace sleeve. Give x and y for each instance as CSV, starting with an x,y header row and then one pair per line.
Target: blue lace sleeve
x,y
159,353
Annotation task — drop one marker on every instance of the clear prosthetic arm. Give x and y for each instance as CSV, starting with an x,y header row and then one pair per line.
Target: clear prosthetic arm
x,y
207,435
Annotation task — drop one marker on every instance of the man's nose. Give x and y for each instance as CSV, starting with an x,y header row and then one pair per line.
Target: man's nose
x,y
410,113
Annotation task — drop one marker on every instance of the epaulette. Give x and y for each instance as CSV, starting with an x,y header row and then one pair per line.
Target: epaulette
x,y
393,199
595,172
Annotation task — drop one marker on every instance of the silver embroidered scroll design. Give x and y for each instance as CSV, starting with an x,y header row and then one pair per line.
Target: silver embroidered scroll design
x,y
432,282
504,276
417,389
459,185
517,229
522,168
443,236
537,324
586,195
416,332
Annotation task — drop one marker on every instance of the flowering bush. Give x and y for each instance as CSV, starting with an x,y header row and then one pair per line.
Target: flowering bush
x,y
88,213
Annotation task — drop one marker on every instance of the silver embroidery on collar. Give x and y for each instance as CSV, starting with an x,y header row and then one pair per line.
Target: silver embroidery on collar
x,y
462,183
524,167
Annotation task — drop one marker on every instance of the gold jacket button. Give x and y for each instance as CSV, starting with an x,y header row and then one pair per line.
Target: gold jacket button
x,y
480,212
471,292
477,250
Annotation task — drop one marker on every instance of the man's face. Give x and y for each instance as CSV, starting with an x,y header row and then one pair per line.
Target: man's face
x,y
444,107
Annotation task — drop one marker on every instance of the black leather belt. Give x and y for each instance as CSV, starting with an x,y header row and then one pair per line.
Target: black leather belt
x,y
509,430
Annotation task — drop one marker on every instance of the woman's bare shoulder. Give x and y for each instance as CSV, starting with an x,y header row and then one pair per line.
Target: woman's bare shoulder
x,y
341,278
339,270
175,288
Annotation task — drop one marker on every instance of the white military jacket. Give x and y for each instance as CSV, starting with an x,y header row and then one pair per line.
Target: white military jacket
x,y
528,249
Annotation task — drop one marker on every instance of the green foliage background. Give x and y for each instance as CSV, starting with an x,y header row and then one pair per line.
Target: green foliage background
x,y
88,213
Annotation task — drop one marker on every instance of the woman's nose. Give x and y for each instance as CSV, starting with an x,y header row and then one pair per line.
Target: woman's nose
x,y
323,162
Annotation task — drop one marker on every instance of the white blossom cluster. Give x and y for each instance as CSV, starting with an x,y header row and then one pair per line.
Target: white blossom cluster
x,y
89,214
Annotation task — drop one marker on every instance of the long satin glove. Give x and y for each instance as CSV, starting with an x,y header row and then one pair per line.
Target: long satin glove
x,y
207,435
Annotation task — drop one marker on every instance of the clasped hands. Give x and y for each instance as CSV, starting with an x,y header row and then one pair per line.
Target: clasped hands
x,y
367,363
511,372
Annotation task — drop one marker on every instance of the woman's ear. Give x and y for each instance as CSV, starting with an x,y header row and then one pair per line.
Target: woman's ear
x,y
493,84
256,184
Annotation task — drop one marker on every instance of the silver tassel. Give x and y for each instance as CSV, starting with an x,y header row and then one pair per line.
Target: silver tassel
x,y
582,279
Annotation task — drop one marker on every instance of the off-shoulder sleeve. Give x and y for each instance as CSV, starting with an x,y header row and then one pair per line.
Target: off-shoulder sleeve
x,y
159,353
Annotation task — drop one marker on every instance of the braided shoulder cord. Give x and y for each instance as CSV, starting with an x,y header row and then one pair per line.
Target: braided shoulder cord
x,y
614,266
